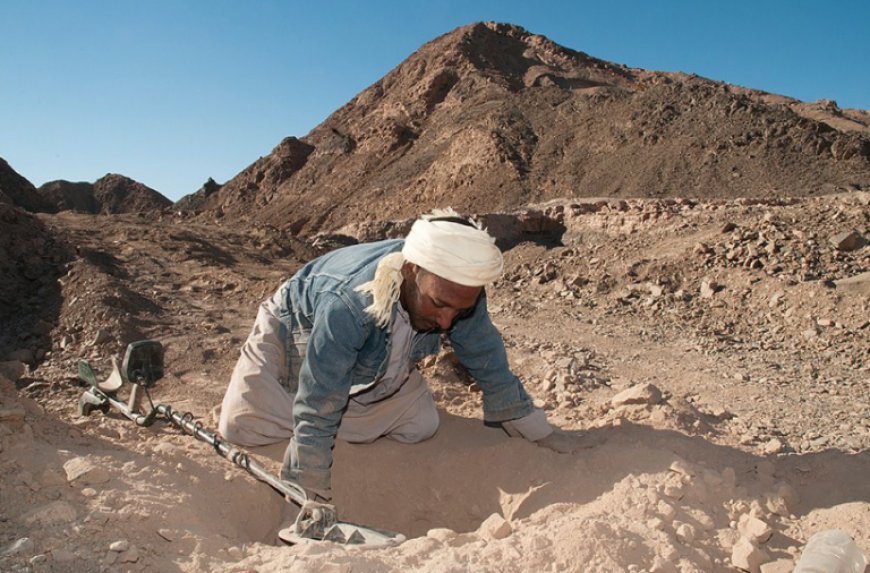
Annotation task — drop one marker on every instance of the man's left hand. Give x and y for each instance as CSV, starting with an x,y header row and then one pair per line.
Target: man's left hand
x,y
565,443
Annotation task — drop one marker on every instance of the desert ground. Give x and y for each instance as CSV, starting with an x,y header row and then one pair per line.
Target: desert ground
x,y
713,357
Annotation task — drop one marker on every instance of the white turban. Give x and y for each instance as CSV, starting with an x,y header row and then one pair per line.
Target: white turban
x,y
459,253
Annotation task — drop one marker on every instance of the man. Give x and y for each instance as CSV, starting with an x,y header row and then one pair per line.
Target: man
x,y
332,353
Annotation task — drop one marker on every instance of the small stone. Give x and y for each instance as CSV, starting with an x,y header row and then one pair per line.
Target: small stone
x,y
746,556
495,527
655,290
66,341
754,529
640,394
709,288
776,504
721,413
666,510
130,556
85,472
773,446
776,299
235,553
848,241
685,532
441,534
119,546
101,337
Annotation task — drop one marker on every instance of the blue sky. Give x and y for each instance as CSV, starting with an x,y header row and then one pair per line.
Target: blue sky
x,y
171,92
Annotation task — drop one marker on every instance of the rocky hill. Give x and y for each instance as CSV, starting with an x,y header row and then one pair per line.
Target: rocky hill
x,y
492,117
18,191
112,193
64,195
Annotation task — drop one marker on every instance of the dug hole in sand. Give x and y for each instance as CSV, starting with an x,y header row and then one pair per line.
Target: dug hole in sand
x,y
473,500
152,499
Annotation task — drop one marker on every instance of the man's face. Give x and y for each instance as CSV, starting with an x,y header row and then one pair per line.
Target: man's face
x,y
434,303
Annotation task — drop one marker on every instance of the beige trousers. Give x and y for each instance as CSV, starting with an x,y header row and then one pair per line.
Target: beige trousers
x,y
257,410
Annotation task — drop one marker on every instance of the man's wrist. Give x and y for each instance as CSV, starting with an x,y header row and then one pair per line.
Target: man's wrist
x,y
319,495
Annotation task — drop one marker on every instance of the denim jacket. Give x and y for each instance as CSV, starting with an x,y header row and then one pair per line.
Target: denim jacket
x,y
346,353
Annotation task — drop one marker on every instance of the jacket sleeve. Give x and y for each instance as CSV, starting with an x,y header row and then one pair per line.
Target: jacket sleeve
x,y
480,348
324,387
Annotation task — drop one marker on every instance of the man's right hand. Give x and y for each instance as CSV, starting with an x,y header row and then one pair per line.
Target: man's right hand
x,y
565,442
315,519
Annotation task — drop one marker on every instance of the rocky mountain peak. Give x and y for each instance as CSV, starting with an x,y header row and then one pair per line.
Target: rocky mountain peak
x,y
493,117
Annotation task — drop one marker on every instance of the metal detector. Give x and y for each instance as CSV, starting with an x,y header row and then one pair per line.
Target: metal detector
x,y
141,368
